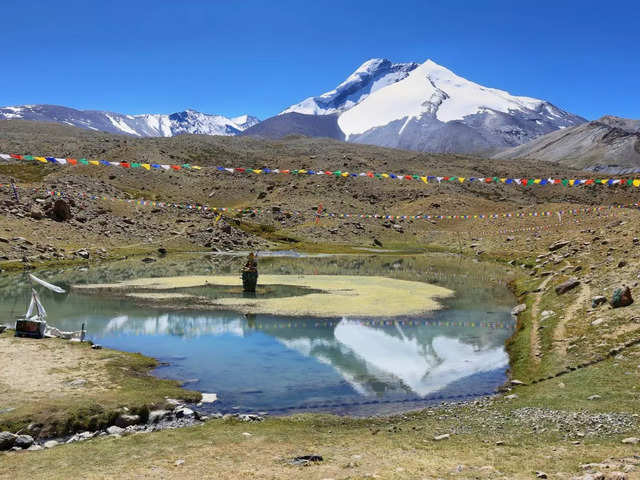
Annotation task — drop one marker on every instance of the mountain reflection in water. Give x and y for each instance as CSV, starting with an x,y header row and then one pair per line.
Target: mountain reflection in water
x,y
377,358
281,364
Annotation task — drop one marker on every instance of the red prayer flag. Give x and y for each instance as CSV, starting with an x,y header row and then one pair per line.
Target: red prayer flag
x,y
175,167
18,157
124,165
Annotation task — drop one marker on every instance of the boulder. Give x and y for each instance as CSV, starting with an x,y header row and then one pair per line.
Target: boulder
x,y
115,430
125,420
51,444
7,440
558,245
515,311
621,297
36,213
444,436
82,253
184,412
24,441
156,415
568,285
631,440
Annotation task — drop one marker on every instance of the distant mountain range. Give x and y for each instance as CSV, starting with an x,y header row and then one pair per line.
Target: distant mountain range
x,y
610,144
423,107
145,125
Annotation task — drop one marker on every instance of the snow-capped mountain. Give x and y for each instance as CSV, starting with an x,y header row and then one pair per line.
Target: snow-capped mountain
x,y
427,108
145,125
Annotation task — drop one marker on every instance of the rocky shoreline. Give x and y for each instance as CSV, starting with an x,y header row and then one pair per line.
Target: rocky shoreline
x,y
176,414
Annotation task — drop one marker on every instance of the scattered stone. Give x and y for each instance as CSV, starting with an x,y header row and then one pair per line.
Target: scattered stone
x,y
7,440
179,462
631,440
82,253
184,412
51,443
148,260
156,415
518,309
36,213
96,346
541,474
594,397
162,251
250,418
513,396
305,459
597,321
78,382
24,441
558,245
444,436
34,448
568,285
622,263
598,300
115,430
546,314
516,382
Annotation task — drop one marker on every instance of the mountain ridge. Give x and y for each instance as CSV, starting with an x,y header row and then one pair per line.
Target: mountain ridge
x,y
609,144
140,125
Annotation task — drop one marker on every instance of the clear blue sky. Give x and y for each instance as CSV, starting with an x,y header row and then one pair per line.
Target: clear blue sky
x,y
233,57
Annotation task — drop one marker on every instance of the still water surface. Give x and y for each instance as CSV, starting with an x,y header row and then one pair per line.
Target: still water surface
x,y
355,365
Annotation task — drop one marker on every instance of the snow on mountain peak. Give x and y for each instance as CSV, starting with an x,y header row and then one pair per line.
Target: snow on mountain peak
x,y
433,90
369,77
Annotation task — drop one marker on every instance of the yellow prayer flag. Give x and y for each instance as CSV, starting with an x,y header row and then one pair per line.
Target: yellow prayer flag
x,y
384,175
424,179
345,174
502,180
461,179
257,171
196,167
536,181
94,162
40,159
146,166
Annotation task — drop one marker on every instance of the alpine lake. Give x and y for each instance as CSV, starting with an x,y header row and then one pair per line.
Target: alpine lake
x,y
376,357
